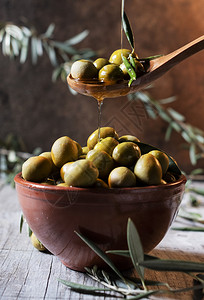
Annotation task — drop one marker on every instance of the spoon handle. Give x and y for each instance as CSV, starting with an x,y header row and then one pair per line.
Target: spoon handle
x,y
166,62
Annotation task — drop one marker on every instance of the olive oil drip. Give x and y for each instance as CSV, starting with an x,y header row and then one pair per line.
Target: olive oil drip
x,y
100,103
100,99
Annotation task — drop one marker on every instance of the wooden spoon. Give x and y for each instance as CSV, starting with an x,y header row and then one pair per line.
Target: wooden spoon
x,y
157,67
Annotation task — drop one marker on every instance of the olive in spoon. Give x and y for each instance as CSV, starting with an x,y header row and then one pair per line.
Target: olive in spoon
x,y
155,69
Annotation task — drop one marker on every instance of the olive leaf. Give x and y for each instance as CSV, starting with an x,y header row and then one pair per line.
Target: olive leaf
x,y
127,29
130,70
135,249
173,265
82,287
101,254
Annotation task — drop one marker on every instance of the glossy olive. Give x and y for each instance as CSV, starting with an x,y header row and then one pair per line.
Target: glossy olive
x,y
162,158
36,243
83,69
85,150
36,168
49,156
82,173
102,160
100,184
100,63
148,170
64,150
121,177
64,168
107,144
104,132
116,56
128,138
110,74
79,147
126,153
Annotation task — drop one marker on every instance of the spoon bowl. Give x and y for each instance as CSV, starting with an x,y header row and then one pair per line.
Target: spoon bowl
x,y
156,68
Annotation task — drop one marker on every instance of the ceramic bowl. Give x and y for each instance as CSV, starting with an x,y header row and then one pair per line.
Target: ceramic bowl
x,y
55,213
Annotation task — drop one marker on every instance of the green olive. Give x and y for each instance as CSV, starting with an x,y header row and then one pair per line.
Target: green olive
x,y
121,177
63,184
85,150
107,144
49,156
36,243
104,132
100,63
148,170
162,158
36,168
116,56
100,184
48,182
79,147
102,160
83,69
126,154
128,138
82,173
64,150
64,169
110,74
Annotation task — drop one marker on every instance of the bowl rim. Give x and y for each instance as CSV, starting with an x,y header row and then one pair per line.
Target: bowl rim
x,y
18,179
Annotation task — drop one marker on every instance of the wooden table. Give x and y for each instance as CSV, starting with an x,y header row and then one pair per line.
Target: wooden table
x,y
26,273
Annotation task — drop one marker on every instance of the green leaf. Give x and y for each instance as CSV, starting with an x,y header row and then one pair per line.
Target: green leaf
x,y
130,69
15,46
21,223
173,265
81,287
77,38
168,132
34,54
127,29
135,248
177,116
192,154
49,31
101,254
24,50
198,191
196,229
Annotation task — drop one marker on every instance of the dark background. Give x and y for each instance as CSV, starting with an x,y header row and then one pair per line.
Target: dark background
x,y
39,111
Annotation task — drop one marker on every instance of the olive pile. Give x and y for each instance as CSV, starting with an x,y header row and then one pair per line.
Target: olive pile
x,y
109,70
111,162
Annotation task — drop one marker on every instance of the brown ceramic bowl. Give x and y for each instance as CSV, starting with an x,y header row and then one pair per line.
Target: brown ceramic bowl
x,y
54,213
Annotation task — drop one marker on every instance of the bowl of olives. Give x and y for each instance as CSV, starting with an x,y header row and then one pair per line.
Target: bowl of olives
x,y
94,190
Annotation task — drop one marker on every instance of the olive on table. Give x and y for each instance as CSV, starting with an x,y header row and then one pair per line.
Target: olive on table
x,y
126,153
110,74
36,168
36,243
104,132
64,150
83,69
81,173
121,177
148,170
